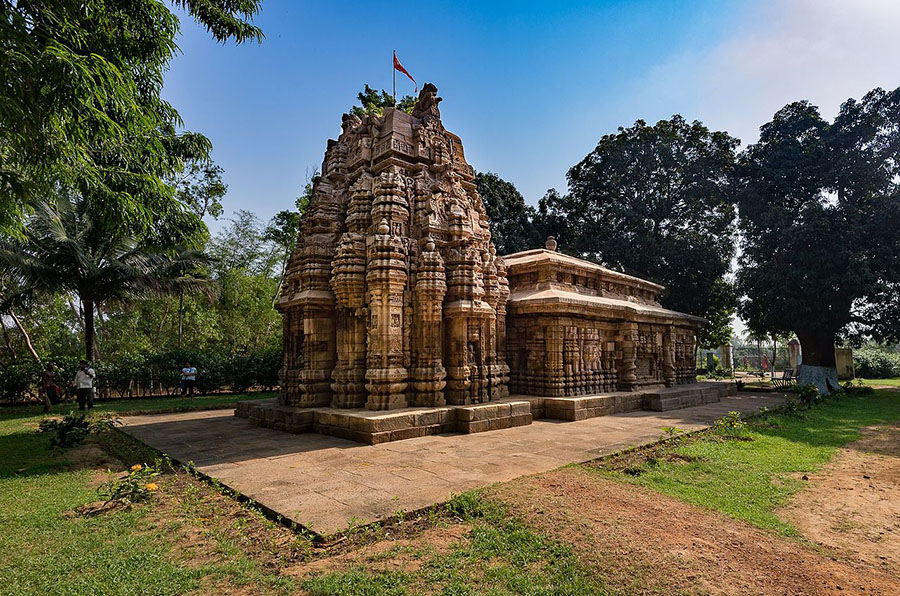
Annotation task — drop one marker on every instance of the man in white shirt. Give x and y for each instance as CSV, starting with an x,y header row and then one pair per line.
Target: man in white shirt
x,y
84,385
188,379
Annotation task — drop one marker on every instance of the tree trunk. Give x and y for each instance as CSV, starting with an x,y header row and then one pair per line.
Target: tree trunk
x,y
774,352
180,316
87,307
28,345
818,367
12,351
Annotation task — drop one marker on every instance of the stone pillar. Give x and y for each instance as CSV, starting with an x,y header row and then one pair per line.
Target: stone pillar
x,y
794,353
386,282
500,322
556,383
349,284
628,332
669,376
727,357
428,372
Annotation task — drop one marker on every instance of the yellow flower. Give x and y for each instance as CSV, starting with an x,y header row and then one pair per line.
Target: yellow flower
x,y
136,468
151,487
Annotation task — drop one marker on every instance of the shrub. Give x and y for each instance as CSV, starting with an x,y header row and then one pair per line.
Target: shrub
x,y
876,363
72,429
730,426
808,394
134,487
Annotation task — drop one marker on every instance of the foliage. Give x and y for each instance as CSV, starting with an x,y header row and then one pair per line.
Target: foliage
x,y
200,187
373,103
71,249
808,394
656,201
81,104
857,387
808,181
135,486
72,429
512,221
876,363
730,426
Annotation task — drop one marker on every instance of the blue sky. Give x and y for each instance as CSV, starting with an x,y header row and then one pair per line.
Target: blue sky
x,y
529,86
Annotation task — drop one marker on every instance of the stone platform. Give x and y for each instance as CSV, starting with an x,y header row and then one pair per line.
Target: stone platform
x,y
375,427
325,483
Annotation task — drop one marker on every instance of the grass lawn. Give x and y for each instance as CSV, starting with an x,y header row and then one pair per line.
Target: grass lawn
x,y
190,539
148,405
895,382
750,479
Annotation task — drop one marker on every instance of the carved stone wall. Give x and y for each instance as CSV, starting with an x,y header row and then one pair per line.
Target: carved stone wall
x,y
394,295
576,328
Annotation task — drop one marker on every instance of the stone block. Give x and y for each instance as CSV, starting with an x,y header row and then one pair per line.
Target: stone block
x,y
474,426
517,408
499,423
520,420
407,433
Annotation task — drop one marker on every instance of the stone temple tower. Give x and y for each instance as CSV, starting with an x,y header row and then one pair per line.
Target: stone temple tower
x,y
394,296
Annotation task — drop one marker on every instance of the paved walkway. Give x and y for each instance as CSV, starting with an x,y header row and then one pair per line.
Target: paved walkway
x,y
323,482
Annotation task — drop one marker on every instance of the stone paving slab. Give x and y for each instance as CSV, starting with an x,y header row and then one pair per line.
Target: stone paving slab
x,y
323,482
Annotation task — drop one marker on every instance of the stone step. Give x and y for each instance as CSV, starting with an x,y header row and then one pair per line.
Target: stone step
x,y
381,426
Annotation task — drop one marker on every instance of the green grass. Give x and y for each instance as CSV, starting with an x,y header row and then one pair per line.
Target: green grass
x,y
749,480
501,556
130,552
895,382
42,551
133,406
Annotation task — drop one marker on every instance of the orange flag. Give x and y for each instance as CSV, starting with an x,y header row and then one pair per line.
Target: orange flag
x,y
398,66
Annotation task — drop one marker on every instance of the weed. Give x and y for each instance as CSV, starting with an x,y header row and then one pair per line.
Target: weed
x,y
730,426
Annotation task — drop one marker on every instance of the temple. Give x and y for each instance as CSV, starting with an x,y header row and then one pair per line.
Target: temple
x,y
401,320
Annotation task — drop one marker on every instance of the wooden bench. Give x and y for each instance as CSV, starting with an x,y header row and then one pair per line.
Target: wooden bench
x,y
786,381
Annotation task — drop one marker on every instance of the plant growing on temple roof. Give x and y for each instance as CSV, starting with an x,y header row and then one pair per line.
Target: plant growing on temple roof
x,y
819,203
371,102
656,201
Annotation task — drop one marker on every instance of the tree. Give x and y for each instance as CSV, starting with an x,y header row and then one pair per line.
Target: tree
x,y
373,103
819,204
199,185
655,201
512,221
80,104
69,249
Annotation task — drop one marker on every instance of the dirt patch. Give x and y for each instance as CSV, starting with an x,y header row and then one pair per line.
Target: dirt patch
x,y
643,542
92,456
403,554
852,506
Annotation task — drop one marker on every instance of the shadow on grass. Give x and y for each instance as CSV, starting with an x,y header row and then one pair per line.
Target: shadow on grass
x,y
837,422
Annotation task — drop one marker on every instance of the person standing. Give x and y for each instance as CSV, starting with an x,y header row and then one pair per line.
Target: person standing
x,y
84,385
189,379
48,385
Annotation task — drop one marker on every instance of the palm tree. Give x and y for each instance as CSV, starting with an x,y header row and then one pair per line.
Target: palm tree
x,y
69,248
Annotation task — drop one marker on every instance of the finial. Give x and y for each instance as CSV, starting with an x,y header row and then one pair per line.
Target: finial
x,y
383,227
551,243
429,244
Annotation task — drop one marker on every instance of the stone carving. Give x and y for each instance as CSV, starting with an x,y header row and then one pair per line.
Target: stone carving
x,y
394,295
575,328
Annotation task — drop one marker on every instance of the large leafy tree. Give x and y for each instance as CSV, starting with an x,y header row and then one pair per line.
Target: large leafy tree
x,y
80,104
69,249
512,221
655,201
819,204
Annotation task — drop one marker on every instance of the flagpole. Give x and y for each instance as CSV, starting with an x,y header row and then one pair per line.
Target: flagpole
x,y
394,73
